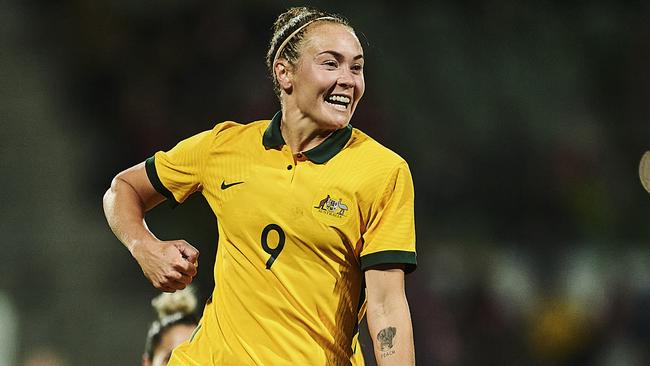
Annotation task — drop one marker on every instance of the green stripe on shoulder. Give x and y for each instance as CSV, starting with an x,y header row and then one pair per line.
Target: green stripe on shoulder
x,y
408,259
152,174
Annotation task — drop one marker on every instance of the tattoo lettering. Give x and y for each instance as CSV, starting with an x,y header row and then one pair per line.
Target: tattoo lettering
x,y
385,338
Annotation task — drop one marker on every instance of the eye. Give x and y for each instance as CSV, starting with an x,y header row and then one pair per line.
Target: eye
x,y
357,68
331,64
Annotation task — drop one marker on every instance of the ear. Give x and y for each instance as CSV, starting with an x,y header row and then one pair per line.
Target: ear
x,y
283,75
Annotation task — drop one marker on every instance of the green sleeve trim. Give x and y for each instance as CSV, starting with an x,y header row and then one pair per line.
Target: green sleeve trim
x,y
409,259
150,167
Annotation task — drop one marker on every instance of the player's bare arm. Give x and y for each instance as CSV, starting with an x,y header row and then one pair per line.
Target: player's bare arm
x,y
169,265
389,318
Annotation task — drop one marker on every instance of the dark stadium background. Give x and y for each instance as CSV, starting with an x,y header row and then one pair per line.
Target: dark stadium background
x,y
523,123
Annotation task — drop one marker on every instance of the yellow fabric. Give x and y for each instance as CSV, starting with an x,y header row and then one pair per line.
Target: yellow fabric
x,y
302,306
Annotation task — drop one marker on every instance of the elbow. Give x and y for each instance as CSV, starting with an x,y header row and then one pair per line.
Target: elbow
x,y
109,197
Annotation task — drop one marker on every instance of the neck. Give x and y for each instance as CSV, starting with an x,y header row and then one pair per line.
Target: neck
x,y
300,132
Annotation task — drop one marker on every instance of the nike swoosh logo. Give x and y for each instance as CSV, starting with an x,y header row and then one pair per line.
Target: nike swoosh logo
x,y
226,186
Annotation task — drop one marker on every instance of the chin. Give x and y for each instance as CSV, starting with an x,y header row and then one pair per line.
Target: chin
x,y
336,121
337,124
341,122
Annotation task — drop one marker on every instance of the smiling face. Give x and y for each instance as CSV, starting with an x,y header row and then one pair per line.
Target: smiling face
x,y
327,82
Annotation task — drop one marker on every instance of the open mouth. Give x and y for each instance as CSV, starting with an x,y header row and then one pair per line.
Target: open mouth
x,y
339,101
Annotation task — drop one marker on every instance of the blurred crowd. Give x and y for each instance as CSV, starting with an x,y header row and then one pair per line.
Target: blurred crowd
x,y
522,123
499,305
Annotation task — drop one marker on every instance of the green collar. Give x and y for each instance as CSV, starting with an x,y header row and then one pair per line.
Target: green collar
x,y
320,154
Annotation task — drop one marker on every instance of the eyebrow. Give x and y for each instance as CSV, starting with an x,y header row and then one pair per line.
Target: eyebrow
x,y
339,55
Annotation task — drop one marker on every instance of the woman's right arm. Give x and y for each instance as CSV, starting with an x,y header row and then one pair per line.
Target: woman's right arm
x,y
169,265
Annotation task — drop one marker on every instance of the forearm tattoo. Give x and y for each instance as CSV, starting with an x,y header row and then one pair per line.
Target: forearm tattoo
x,y
385,339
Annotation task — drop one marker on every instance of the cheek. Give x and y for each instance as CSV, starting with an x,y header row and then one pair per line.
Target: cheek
x,y
307,73
360,87
322,80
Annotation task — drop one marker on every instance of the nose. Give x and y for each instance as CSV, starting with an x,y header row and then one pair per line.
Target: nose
x,y
346,79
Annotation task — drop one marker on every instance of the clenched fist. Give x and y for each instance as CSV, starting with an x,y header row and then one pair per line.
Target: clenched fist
x,y
169,265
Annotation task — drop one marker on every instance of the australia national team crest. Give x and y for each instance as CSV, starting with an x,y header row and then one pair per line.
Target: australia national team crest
x,y
332,206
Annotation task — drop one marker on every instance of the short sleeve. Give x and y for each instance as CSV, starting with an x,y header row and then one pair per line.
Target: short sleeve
x,y
177,173
390,232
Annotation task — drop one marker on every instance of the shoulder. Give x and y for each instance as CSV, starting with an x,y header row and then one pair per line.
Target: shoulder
x,y
231,129
369,152
228,132
374,168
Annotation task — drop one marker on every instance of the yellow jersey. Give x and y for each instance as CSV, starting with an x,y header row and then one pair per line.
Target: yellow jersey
x,y
296,233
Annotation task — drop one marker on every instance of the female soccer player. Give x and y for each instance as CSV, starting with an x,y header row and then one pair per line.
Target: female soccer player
x,y
175,324
312,216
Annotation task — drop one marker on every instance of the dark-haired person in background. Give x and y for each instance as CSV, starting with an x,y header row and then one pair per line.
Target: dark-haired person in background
x,y
311,213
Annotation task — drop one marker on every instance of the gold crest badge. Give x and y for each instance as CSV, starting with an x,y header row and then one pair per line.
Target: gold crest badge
x,y
331,206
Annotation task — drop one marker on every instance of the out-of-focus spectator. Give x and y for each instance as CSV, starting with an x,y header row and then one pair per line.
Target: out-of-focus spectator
x,y
8,327
175,324
44,356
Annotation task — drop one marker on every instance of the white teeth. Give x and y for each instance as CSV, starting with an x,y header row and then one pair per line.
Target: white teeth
x,y
339,98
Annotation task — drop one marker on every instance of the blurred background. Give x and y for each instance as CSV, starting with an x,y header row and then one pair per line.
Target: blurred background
x,y
523,123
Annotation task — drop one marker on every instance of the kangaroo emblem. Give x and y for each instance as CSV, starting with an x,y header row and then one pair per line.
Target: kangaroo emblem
x,y
323,202
332,207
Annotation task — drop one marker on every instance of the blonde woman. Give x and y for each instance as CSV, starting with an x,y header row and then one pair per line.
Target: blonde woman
x,y
315,218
